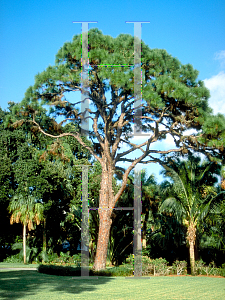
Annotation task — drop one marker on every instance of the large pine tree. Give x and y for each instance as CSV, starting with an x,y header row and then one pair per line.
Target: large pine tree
x,y
173,101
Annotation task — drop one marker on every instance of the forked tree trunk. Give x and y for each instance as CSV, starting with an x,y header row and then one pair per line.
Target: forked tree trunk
x,y
24,244
191,237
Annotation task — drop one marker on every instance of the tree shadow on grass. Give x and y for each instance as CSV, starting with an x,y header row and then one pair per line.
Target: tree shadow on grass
x,y
20,284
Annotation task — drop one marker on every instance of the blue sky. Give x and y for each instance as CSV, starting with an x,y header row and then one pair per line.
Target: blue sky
x,y
33,31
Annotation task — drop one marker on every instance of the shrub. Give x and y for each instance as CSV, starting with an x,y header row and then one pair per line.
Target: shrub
x,y
202,269
14,259
63,260
180,267
221,272
76,271
59,270
161,267
156,267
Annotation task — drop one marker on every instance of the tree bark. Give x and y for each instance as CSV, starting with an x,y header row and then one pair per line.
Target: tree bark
x,y
144,234
191,236
192,258
24,244
103,239
105,210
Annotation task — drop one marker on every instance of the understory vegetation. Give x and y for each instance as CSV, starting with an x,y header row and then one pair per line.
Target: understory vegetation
x,y
150,267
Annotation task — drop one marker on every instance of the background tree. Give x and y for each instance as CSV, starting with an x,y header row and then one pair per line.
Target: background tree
x,y
193,195
173,101
30,160
27,211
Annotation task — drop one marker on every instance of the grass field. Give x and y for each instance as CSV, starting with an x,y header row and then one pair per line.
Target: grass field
x,y
29,284
17,265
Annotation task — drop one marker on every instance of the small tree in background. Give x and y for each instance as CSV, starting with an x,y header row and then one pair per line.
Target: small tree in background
x,y
27,211
192,197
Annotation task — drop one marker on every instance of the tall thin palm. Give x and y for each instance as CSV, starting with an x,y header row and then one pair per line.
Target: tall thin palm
x,y
192,196
27,211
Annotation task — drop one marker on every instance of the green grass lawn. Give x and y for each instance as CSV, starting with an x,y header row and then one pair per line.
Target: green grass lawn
x,y
17,265
31,285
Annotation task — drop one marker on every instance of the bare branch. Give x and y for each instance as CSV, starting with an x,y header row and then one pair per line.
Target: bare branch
x,y
76,136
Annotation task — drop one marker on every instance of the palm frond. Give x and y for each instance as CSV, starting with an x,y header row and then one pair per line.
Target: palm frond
x,y
175,207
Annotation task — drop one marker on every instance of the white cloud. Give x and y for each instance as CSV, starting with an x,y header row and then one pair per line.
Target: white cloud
x,y
221,57
216,85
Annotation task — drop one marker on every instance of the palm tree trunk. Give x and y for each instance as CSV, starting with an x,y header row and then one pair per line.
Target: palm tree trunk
x,y
24,244
44,236
144,242
44,241
192,257
191,237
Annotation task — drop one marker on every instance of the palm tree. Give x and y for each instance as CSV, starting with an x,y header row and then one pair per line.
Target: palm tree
x,y
27,211
192,196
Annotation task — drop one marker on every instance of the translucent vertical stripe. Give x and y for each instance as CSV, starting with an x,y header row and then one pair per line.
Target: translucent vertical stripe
x,y
84,79
137,79
84,224
137,250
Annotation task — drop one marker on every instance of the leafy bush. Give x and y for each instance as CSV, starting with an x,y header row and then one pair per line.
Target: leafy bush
x,y
221,272
180,267
14,259
202,269
158,266
76,271
124,270
155,267
63,260
161,267
59,270
44,256
31,253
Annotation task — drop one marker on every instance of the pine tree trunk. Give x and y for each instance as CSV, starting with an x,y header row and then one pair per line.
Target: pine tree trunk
x,y
105,210
24,244
103,239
